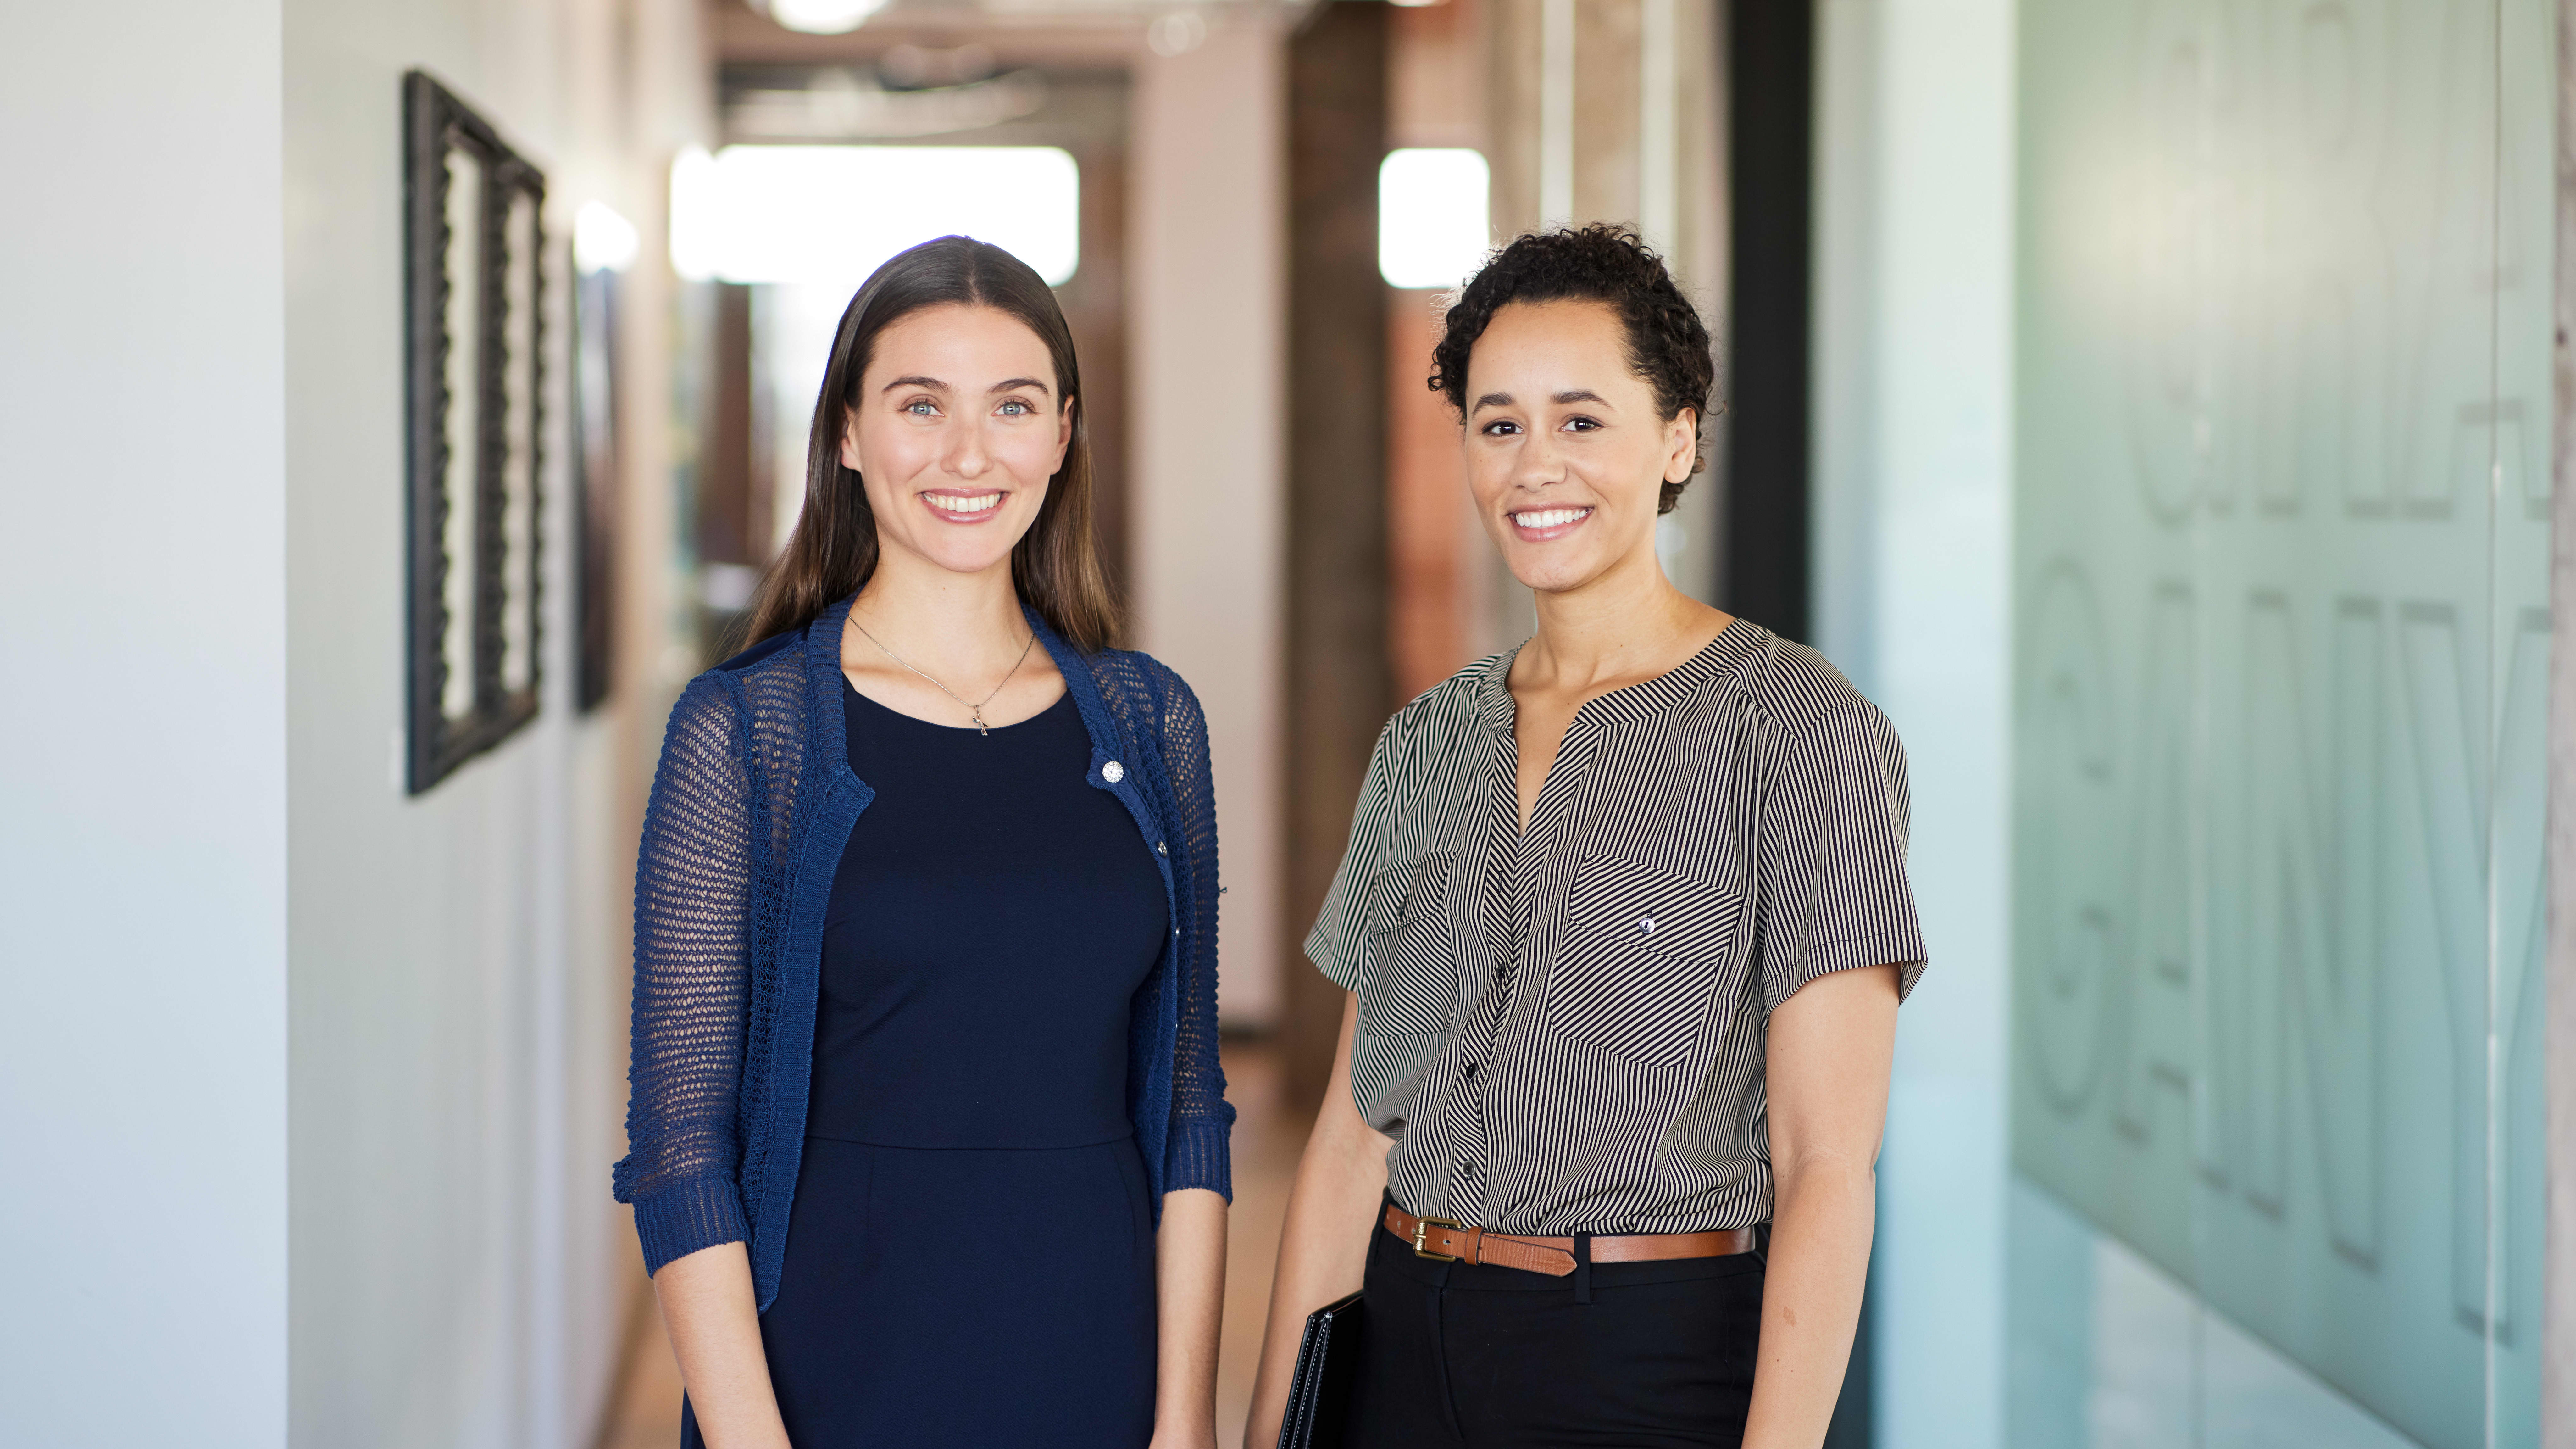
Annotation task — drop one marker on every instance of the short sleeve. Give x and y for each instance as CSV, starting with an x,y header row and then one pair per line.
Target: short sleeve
x,y
1831,859
1338,943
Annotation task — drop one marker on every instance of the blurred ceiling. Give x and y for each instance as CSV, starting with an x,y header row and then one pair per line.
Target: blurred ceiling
x,y
920,69
747,30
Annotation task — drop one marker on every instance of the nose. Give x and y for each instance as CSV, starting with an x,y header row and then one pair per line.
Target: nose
x,y
1538,462
968,457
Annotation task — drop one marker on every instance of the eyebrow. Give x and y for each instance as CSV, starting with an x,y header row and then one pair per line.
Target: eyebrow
x,y
1006,385
1504,399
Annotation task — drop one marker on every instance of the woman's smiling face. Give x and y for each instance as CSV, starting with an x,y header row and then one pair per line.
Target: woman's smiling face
x,y
955,431
1566,453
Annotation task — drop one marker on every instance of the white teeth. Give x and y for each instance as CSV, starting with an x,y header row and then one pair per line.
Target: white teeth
x,y
980,503
1548,517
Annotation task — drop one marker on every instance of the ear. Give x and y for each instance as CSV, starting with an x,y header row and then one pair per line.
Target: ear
x,y
850,442
1064,435
1681,439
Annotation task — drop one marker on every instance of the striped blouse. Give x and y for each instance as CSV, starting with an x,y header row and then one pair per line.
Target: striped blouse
x,y
1563,1028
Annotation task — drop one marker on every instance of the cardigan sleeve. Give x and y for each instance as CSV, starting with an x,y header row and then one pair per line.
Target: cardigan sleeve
x,y
1200,1153
693,887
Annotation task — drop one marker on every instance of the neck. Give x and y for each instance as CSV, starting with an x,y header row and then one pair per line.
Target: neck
x,y
934,616
1627,622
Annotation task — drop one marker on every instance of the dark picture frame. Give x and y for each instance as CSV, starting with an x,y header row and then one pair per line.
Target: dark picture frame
x,y
474,246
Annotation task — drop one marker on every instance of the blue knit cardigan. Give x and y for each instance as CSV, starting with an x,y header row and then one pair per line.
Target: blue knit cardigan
x,y
750,811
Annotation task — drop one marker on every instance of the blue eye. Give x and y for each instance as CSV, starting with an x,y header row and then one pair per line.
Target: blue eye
x,y
1014,407
922,407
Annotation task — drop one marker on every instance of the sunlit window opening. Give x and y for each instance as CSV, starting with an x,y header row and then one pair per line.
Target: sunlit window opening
x,y
826,216
1431,220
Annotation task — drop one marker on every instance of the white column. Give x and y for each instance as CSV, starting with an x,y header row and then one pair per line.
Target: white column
x,y
1913,438
1206,337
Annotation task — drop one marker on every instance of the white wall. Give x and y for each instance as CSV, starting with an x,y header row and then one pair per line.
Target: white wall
x,y
143,779
460,1274
1206,339
1913,432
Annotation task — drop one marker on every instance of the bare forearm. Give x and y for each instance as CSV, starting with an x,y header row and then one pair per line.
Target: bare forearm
x,y
1821,1224
1323,1248
714,1322
1323,1253
1190,1302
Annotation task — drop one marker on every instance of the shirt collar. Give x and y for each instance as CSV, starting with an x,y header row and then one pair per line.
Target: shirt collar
x,y
1735,645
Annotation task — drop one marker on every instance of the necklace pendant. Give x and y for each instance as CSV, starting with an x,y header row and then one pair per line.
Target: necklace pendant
x,y
983,728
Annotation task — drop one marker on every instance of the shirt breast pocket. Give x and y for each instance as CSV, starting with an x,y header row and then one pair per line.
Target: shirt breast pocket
x,y
1640,961
1411,987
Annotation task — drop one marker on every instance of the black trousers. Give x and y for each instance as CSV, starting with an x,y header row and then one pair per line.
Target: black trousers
x,y
1479,1357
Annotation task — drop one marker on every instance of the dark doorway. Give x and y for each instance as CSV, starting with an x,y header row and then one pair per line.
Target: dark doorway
x,y
1770,81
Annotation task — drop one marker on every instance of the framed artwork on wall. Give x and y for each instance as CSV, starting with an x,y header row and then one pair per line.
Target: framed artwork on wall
x,y
474,279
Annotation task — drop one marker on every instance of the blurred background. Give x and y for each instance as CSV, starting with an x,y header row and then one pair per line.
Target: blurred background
x,y
2149,403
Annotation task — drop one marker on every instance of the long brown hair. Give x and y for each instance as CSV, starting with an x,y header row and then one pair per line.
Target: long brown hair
x,y
833,552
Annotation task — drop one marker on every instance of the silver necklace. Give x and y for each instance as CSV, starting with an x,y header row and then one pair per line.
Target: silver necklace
x,y
974,708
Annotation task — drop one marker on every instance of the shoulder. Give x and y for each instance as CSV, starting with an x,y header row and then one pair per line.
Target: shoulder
x,y
1145,683
1138,669
759,680
1442,711
1150,696
764,651
1799,693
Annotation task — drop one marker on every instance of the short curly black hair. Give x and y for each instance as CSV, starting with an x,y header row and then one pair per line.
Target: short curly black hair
x,y
1606,263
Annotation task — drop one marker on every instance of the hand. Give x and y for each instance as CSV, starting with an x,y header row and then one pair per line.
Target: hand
x,y
1201,1437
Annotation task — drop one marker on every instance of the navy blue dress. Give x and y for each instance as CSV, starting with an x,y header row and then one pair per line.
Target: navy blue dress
x,y
970,1256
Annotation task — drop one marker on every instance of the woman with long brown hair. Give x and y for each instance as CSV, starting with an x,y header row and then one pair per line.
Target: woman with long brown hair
x,y
929,1140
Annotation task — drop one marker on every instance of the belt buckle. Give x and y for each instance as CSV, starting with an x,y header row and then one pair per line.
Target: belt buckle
x,y
1422,1231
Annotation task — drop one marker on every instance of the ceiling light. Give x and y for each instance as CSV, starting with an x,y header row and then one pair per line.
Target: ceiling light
x,y
1178,33
823,17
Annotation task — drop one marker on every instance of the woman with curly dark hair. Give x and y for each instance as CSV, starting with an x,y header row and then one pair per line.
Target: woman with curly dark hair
x,y
1624,924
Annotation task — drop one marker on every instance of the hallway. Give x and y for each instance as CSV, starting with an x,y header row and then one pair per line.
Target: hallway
x,y
2160,410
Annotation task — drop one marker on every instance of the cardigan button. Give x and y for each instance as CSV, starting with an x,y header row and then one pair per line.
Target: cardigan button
x,y
1159,850
1113,772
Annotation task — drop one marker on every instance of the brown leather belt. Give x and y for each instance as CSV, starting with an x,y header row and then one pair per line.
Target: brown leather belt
x,y
1448,1242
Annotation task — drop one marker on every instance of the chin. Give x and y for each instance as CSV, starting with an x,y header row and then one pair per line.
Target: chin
x,y
966,555
975,561
1542,572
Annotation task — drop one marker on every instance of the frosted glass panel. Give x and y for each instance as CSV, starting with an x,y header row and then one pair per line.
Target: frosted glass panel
x,y
2283,392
